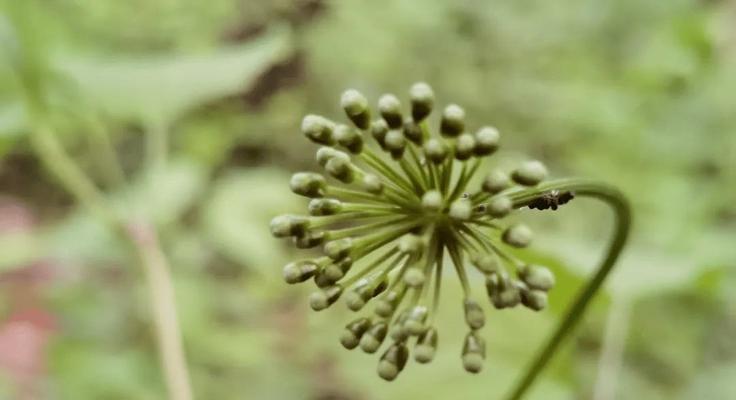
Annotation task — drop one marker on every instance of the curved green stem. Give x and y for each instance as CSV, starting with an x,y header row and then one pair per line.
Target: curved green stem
x,y
620,205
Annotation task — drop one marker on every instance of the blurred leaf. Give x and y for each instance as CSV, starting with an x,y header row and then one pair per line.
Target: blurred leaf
x,y
159,90
713,383
18,250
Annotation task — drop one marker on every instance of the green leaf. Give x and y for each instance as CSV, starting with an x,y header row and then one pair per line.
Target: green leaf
x,y
161,89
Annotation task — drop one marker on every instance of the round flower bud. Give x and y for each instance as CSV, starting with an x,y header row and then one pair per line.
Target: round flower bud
x,y
517,235
288,225
322,280
324,154
299,271
474,316
395,143
356,299
411,244
379,129
372,184
387,305
464,146
461,210
356,108
534,299
372,339
340,169
486,141
432,201
336,271
496,182
390,108
422,100
308,184
413,132
414,323
414,277
349,138
435,150
474,352
318,129
486,263
350,337
338,249
426,346
393,361
324,298
453,121
499,206
537,277
530,173
324,206
309,239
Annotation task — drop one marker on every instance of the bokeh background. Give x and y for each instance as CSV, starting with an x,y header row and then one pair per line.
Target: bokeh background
x,y
639,93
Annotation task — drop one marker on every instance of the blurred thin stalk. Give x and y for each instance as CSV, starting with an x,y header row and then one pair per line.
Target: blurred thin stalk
x,y
104,152
618,202
614,341
157,143
143,238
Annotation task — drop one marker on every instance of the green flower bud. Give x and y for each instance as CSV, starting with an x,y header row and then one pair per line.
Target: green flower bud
x,y
436,150
486,141
350,337
324,206
414,323
379,129
537,277
340,169
299,271
338,249
464,146
395,143
426,346
432,201
318,129
461,210
413,132
372,184
534,299
349,138
356,108
324,298
289,225
414,277
496,182
474,352
324,154
530,173
486,263
499,206
517,235
387,305
503,293
309,239
474,316
322,279
453,121
308,184
390,108
338,269
371,340
422,100
393,361
411,244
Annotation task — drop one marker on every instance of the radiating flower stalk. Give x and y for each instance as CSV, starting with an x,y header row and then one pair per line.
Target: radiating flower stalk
x,y
394,199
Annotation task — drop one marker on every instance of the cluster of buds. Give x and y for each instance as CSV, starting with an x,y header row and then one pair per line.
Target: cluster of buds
x,y
387,211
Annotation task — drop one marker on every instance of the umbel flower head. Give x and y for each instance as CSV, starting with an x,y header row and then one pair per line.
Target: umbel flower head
x,y
394,199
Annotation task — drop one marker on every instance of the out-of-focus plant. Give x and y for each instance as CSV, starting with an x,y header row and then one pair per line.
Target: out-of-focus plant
x,y
414,208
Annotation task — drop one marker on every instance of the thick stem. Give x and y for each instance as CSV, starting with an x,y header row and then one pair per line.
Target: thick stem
x,y
620,205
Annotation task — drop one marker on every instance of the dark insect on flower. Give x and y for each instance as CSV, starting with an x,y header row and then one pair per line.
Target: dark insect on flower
x,y
388,211
551,200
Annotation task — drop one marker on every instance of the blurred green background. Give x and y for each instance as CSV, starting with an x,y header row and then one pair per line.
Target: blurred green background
x,y
638,93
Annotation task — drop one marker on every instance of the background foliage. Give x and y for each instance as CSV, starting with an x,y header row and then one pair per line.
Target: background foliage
x,y
637,93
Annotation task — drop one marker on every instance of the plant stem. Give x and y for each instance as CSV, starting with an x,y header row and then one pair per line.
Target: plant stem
x,y
614,340
142,238
620,205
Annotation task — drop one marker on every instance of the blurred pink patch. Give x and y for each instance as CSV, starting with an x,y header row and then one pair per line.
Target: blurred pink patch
x,y
23,339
